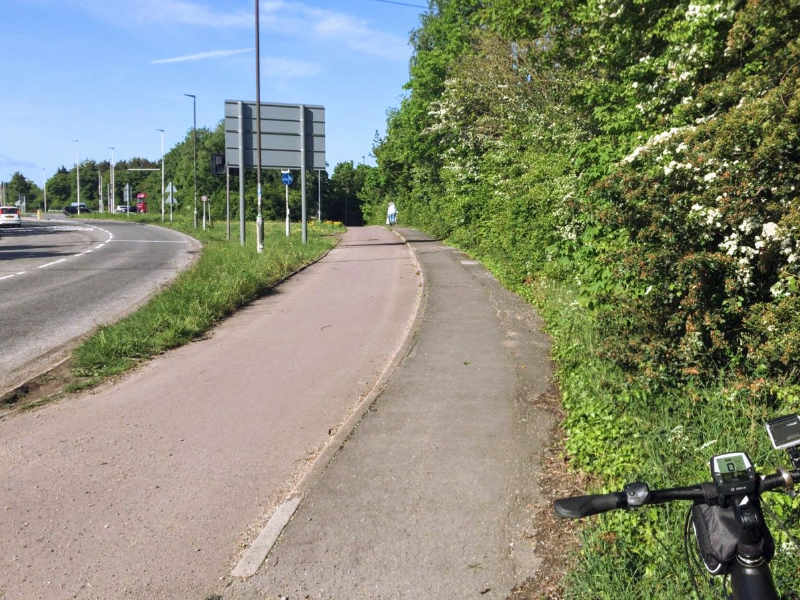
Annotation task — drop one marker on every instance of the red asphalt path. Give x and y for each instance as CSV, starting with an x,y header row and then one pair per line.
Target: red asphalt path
x,y
152,487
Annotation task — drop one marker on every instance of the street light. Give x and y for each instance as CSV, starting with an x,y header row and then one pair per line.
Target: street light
x,y
259,219
44,174
78,175
162,174
194,133
112,206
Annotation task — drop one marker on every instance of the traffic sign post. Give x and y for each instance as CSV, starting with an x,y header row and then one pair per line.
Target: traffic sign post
x,y
286,178
170,198
293,136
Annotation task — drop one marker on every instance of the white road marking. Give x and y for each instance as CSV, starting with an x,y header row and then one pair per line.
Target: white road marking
x,y
153,241
469,262
55,262
110,237
258,551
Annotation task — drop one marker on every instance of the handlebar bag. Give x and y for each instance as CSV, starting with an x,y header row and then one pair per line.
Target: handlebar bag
x,y
717,532
720,536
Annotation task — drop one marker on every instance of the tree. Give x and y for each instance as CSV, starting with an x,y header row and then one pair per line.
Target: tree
x,y
59,188
19,187
343,200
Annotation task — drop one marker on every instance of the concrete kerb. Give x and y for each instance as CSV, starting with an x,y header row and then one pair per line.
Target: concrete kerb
x,y
255,555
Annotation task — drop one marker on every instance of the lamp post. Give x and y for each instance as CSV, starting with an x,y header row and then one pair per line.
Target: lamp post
x,y
44,187
78,175
162,174
259,219
194,134
112,207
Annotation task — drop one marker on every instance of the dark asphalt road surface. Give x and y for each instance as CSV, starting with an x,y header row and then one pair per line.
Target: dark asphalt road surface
x,y
60,279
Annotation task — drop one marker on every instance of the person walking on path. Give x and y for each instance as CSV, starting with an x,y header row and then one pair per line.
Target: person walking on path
x,y
391,214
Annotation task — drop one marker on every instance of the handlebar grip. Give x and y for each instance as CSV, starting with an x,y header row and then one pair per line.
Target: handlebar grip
x,y
583,506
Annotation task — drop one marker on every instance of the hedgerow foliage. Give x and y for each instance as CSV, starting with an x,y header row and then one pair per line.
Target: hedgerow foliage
x,y
641,157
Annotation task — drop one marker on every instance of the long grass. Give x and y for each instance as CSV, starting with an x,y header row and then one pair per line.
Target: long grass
x,y
225,277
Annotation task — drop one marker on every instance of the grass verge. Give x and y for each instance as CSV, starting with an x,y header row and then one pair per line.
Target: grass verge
x,y
621,427
225,277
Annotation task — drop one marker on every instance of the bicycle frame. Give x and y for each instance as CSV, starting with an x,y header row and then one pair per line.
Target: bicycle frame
x,y
749,582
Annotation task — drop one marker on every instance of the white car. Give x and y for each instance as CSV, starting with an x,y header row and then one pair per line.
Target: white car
x,y
9,215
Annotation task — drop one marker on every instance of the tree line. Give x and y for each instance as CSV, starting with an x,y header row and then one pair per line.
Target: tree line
x,y
339,198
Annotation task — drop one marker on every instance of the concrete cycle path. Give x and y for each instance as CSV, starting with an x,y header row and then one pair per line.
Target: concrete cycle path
x,y
432,494
152,487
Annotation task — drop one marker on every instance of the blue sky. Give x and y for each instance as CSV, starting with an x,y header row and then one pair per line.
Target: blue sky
x,y
111,72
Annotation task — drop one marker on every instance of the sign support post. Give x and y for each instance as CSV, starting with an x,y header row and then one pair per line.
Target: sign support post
x,y
227,202
241,174
286,177
319,196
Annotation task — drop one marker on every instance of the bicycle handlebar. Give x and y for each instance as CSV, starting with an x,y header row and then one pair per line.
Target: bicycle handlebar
x,y
584,506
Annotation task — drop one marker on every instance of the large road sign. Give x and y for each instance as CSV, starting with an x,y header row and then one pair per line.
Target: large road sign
x,y
284,135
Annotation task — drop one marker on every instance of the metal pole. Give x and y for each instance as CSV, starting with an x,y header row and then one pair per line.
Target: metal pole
x,y
162,174
241,174
100,189
319,196
287,210
259,219
304,163
194,135
113,206
78,174
45,191
227,202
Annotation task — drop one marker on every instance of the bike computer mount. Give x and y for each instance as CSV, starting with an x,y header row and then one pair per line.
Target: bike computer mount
x,y
784,433
733,474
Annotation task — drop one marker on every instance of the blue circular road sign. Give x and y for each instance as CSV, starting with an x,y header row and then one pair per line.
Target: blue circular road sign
x,y
286,178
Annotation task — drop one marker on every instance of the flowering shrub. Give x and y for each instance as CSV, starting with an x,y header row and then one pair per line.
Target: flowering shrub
x,y
632,166
711,211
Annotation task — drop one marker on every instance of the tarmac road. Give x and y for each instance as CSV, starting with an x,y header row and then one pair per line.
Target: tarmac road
x,y
152,487
60,279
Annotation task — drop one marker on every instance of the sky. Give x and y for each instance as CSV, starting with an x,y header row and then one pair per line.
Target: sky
x,y
112,72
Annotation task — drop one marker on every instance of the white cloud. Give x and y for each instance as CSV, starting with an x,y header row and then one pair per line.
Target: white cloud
x,y
355,33
287,18
177,12
201,56
288,68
